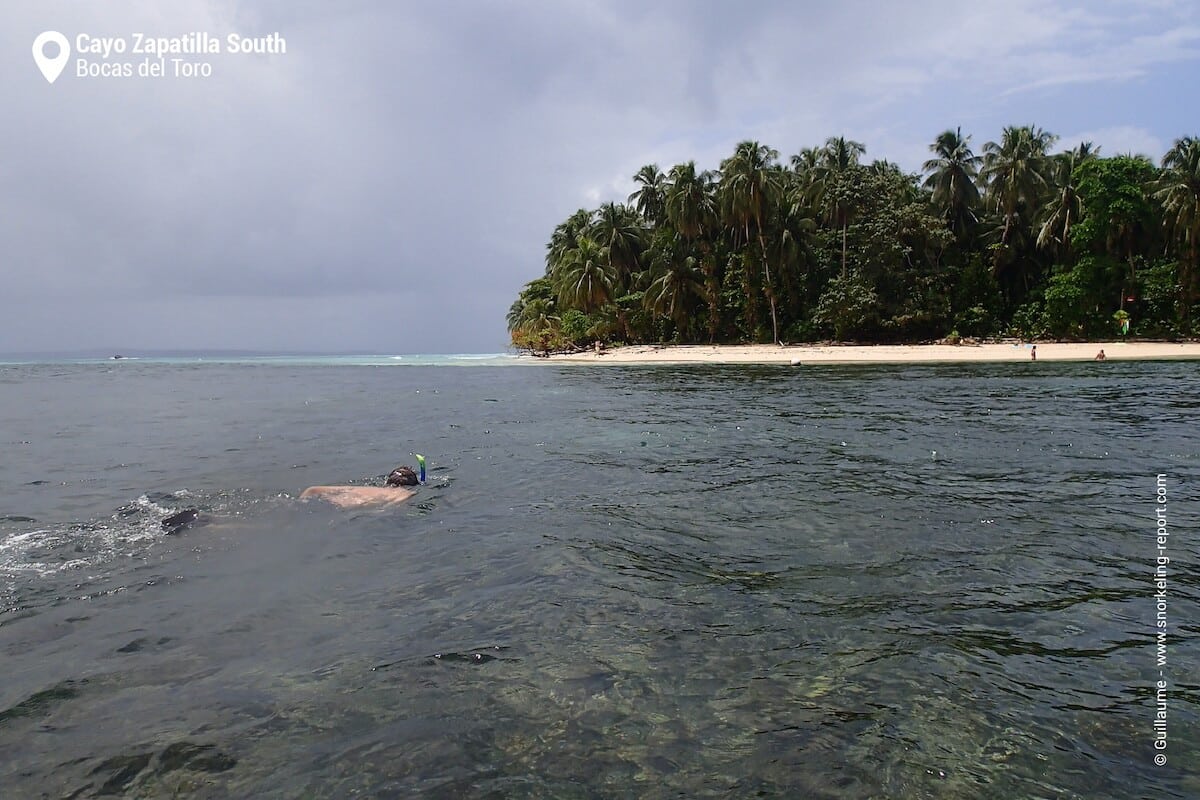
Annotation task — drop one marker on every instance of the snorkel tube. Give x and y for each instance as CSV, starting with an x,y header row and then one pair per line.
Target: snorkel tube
x,y
421,464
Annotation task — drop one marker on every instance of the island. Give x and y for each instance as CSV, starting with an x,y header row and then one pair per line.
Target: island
x,y
1020,243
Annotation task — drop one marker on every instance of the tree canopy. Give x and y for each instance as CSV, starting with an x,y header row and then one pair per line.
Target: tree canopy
x,y
1015,240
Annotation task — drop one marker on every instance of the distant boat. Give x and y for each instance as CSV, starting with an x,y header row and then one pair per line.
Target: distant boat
x,y
117,357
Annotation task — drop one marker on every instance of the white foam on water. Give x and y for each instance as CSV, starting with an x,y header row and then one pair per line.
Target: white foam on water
x,y
17,539
123,534
17,552
42,569
146,502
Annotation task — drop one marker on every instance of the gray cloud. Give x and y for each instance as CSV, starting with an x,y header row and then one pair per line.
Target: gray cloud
x,y
389,182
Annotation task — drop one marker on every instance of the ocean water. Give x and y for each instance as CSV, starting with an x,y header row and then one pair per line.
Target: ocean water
x,y
844,582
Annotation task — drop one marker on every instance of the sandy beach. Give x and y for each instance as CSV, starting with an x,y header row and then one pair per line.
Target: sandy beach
x,y
883,354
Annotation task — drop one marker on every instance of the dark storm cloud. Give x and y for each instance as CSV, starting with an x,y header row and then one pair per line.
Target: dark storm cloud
x,y
421,156
397,171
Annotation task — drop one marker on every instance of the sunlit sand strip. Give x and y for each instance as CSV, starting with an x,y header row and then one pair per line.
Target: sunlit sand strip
x,y
883,354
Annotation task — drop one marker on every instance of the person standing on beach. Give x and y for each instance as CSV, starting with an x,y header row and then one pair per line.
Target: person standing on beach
x,y
1100,356
1033,353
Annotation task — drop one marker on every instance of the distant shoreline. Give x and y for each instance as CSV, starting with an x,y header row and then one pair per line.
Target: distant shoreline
x,y
884,354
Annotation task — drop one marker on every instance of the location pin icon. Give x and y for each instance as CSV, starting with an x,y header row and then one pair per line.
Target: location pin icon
x,y
51,67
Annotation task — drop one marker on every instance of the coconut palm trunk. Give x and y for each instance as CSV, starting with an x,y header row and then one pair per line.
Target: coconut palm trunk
x,y
713,291
768,287
844,226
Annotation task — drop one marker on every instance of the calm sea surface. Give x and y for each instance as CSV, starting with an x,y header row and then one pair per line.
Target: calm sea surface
x,y
662,582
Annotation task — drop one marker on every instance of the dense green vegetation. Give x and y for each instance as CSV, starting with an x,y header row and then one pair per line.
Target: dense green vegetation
x,y
1012,241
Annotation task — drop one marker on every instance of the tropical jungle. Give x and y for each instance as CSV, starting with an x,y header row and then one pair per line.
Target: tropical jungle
x,y
1014,240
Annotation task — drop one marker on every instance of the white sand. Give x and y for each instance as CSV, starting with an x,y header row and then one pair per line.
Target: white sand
x,y
882,354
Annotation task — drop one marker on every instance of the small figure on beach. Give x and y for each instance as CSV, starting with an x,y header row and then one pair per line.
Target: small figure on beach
x,y
392,492
599,347
1100,356
1033,353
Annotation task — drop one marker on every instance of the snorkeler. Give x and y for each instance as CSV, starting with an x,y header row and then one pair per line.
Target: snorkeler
x,y
391,493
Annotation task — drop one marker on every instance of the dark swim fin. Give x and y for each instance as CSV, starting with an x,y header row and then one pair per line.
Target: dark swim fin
x,y
177,522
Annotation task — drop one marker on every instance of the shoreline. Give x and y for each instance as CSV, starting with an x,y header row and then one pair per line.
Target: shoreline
x,y
800,355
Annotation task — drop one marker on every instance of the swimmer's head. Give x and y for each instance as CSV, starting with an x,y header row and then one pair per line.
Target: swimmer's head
x,y
402,476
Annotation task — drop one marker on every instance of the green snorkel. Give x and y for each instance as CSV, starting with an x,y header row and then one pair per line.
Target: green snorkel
x,y
421,464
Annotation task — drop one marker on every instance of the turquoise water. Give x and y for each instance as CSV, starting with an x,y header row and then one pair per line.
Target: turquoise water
x,y
843,582
410,359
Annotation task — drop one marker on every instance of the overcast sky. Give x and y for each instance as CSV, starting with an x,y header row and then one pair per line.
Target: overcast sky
x,y
388,184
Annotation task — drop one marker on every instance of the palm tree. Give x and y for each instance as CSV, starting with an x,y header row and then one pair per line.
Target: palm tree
x,y
805,188
584,278
838,157
840,154
1016,171
678,284
515,312
806,161
952,176
649,197
792,230
1063,208
750,187
1179,192
565,237
535,290
616,228
538,326
690,205
537,315
692,209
